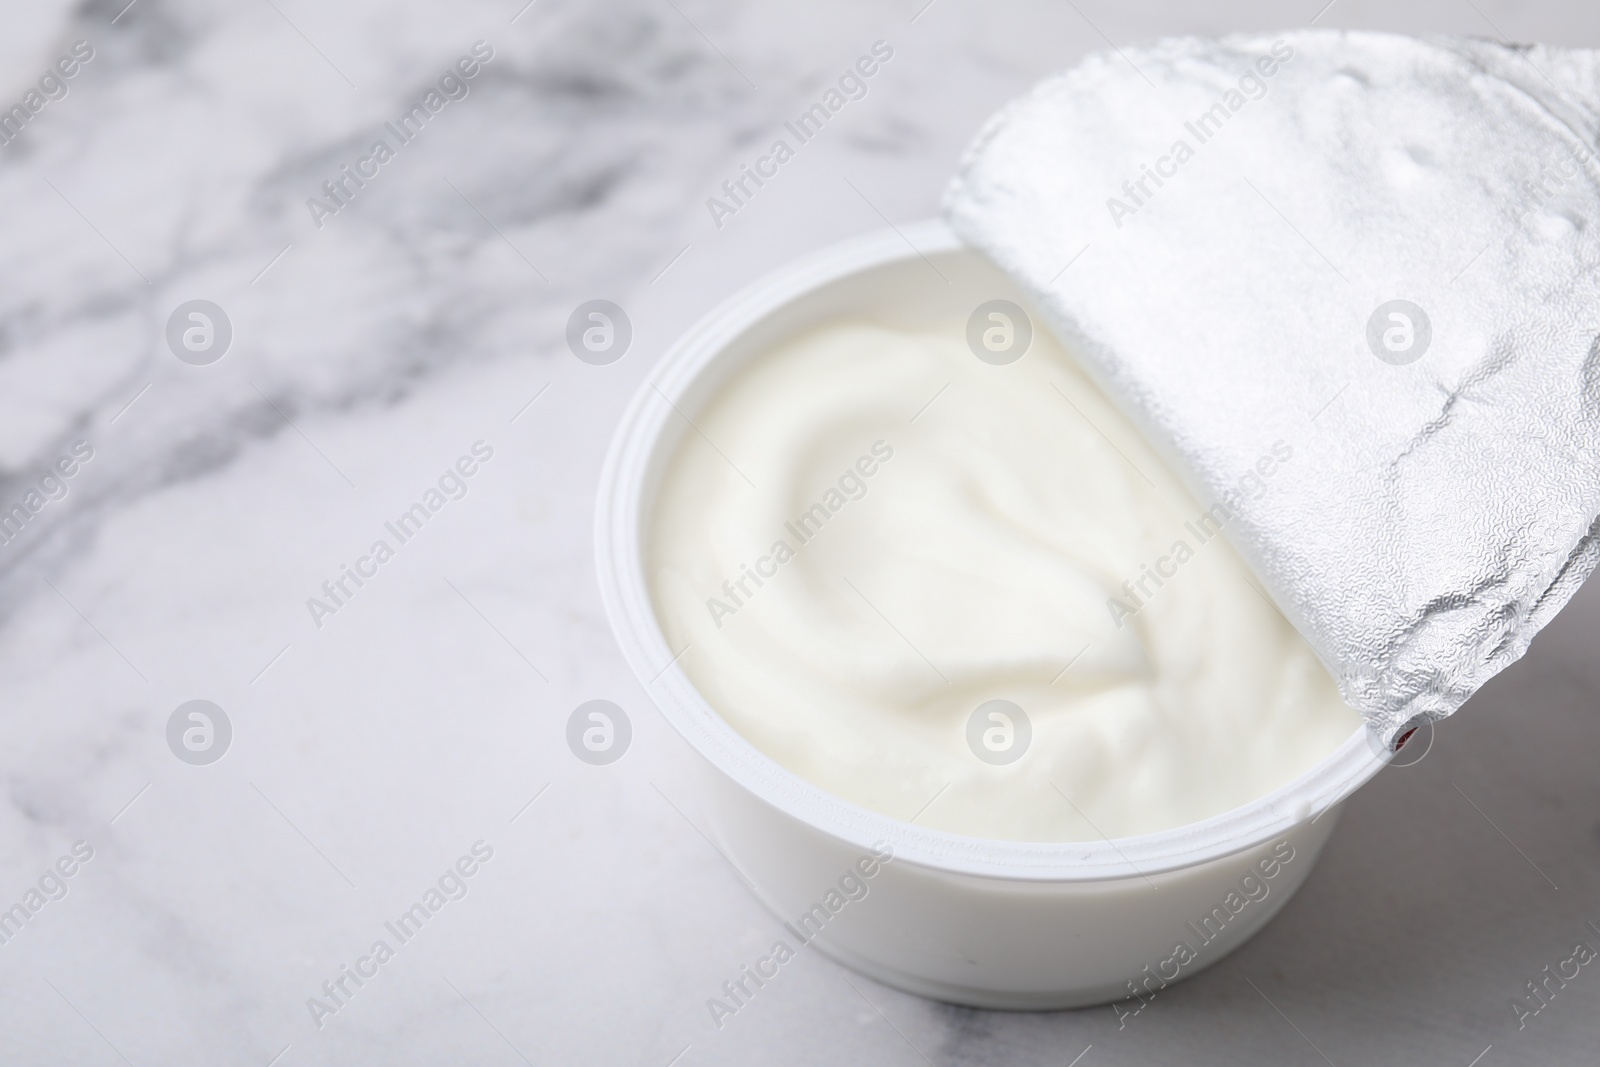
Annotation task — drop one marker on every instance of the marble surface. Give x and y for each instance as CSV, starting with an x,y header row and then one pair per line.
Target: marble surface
x,y
372,752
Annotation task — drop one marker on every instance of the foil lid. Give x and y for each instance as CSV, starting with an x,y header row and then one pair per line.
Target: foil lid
x,y
1379,253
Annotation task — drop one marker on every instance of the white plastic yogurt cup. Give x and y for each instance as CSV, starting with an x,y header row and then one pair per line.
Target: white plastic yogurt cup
x,y
988,923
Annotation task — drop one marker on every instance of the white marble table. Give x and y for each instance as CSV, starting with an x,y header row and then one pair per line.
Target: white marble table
x,y
371,752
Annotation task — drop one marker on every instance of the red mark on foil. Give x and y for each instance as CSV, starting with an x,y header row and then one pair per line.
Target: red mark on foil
x,y
1400,742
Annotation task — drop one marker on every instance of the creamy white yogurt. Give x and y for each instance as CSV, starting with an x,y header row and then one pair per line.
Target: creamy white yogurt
x,y
870,533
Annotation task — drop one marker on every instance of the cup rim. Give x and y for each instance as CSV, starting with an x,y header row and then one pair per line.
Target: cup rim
x,y
625,592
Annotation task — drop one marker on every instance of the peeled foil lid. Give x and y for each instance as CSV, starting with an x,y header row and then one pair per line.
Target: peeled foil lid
x,y
1380,254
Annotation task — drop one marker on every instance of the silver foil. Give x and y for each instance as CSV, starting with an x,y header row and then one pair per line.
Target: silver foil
x,y
1226,249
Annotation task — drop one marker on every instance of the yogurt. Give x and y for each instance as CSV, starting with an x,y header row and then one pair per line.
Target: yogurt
x,y
971,596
